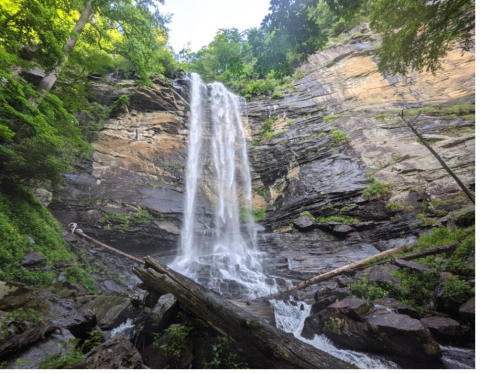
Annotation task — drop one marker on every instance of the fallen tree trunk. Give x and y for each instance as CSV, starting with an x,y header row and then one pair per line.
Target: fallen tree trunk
x,y
347,268
266,346
93,240
429,252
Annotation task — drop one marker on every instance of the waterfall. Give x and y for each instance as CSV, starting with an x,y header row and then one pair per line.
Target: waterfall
x,y
222,256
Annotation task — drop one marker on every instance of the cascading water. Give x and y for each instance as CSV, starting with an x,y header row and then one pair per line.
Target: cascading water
x,y
222,257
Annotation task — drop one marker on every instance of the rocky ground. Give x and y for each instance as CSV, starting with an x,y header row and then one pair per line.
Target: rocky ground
x,y
115,326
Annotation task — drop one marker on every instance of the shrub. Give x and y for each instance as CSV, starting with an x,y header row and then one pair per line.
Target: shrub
x,y
277,95
376,188
331,117
338,137
338,219
456,292
75,274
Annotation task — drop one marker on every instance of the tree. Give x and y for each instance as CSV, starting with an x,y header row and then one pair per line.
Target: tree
x,y
416,34
289,29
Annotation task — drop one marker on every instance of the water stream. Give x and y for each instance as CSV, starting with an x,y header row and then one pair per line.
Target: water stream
x,y
224,256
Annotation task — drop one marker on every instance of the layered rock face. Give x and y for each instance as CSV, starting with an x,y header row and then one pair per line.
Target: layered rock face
x,y
131,193
308,166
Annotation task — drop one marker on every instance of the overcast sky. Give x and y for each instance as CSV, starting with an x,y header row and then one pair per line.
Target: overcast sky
x,y
197,21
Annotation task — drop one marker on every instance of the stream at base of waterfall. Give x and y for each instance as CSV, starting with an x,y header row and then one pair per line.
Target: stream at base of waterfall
x,y
224,257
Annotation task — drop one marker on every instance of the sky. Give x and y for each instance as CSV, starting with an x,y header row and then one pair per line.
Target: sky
x,y
197,21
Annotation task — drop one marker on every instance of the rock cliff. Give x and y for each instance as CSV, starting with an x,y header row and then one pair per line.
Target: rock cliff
x,y
130,194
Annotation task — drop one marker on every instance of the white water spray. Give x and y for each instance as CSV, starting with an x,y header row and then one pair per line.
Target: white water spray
x,y
226,259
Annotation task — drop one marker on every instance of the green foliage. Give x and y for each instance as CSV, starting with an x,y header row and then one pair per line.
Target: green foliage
x,y
63,360
397,206
455,292
338,219
261,192
126,220
23,318
417,287
177,338
415,34
458,261
249,214
338,137
76,274
222,359
331,117
37,278
333,323
376,188
277,95
21,216
307,213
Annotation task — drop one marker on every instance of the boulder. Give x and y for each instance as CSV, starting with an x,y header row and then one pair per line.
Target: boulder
x,y
343,281
467,310
402,335
116,353
32,259
312,326
112,311
397,307
322,304
110,285
160,317
353,308
342,229
37,353
354,323
152,298
303,223
325,288
52,311
383,273
443,329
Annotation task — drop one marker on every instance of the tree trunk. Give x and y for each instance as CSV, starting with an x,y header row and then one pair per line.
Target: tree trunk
x,y
347,268
435,154
49,80
266,346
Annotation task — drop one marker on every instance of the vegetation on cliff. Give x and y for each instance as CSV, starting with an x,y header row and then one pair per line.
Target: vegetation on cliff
x,y
416,35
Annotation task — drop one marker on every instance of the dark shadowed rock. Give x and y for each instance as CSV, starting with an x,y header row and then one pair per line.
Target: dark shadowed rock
x,y
343,281
303,223
32,259
325,288
116,353
112,311
160,317
443,329
152,298
323,303
158,358
312,326
467,310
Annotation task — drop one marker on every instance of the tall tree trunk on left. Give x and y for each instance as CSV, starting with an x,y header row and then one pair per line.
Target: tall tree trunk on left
x,y
49,80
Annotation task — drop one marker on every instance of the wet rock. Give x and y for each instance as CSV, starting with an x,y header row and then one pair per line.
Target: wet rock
x,y
312,326
354,308
303,223
400,334
110,285
116,353
322,304
112,311
62,277
443,329
160,317
32,259
66,293
397,307
55,313
467,310
340,293
38,352
383,273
